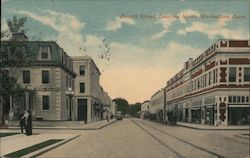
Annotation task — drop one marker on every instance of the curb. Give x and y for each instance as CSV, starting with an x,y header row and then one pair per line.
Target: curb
x,y
197,128
64,128
44,150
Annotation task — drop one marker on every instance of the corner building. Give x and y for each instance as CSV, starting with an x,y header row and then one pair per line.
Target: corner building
x,y
90,100
214,88
45,78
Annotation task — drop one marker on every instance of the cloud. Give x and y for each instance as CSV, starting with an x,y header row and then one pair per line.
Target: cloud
x,y
171,19
216,29
66,25
166,23
118,22
4,1
5,30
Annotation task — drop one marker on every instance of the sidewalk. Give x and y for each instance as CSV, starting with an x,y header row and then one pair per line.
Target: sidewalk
x,y
18,142
211,127
65,125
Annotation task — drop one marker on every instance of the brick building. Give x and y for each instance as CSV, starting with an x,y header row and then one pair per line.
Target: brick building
x,y
214,88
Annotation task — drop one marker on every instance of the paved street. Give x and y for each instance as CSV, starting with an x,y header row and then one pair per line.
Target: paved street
x,y
135,138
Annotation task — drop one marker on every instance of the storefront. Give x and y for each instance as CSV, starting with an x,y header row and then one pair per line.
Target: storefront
x,y
239,115
209,115
196,115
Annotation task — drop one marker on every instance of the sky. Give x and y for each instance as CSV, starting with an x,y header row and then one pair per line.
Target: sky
x,y
148,41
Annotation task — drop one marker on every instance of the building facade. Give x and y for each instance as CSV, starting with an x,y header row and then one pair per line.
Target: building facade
x,y
145,106
91,102
44,75
214,88
157,105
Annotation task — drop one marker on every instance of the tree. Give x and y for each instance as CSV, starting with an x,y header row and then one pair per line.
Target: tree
x,y
16,58
134,109
122,105
17,25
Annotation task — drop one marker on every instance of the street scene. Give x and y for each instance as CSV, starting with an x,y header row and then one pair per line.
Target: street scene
x,y
125,79
141,138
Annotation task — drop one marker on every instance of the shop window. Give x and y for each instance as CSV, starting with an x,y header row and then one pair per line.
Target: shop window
x,y
232,74
45,102
247,74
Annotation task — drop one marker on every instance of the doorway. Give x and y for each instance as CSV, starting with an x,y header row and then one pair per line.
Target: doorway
x,y
82,110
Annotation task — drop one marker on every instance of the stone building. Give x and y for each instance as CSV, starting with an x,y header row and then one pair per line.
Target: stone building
x,y
44,74
90,100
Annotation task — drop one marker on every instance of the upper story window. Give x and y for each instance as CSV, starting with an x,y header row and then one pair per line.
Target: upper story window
x,y
26,76
67,85
82,87
4,76
4,53
44,52
247,74
45,76
82,70
232,74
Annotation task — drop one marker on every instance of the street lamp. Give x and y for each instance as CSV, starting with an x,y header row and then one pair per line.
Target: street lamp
x,y
70,94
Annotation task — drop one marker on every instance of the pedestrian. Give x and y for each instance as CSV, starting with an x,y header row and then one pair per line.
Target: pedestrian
x,y
25,117
21,121
107,117
29,124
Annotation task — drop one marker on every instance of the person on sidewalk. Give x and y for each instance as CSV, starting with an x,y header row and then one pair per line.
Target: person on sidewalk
x,y
107,117
29,124
21,121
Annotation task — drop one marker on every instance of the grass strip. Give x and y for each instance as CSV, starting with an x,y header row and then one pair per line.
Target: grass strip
x,y
33,148
7,134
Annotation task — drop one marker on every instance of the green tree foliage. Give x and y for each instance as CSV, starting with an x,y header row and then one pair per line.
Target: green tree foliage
x,y
15,59
134,109
17,25
122,105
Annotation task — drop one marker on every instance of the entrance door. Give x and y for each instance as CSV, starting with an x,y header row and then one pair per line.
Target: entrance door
x,y
82,110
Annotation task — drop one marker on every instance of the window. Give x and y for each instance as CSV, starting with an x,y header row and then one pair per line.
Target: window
x,y
230,99
234,99
232,74
26,76
243,99
247,74
45,102
4,53
82,70
67,81
45,77
82,87
4,76
44,53
247,99
67,103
